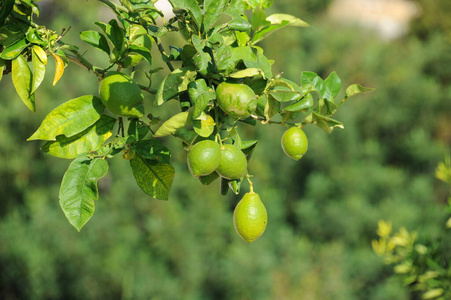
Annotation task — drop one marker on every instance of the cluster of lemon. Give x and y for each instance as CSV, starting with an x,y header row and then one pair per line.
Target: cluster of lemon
x,y
208,159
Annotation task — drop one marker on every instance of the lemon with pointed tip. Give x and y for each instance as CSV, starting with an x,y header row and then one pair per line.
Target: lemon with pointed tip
x,y
121,95
204,158
294,143
233,163
250,217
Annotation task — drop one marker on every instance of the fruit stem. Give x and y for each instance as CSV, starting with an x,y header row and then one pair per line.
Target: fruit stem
x,y
251,185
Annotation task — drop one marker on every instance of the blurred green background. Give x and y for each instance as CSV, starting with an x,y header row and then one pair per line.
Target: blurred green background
x,y
323,210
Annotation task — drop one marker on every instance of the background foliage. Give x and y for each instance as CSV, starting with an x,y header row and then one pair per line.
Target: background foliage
x,y
324,208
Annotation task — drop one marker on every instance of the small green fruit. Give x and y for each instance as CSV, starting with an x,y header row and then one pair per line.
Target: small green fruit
x,y
250,217
121,95
236,99
233,163
294,143
204,158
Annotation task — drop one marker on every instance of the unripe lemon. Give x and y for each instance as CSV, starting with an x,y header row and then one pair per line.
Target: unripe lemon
x,y
250,217
204,158
233,163
236,99
121,95
294,143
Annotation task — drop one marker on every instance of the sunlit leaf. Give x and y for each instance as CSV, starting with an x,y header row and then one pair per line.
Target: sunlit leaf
x,y
70,118
174,84
170,126
38,67
355,89
88,140
59,68
22,78
205,127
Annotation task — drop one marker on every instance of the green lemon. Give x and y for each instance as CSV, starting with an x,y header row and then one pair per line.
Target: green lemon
x,y
121,95
250,217
204,158
294,143
233,163
236,99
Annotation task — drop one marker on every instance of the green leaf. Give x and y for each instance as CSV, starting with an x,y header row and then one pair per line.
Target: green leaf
x,y
174,84
185,135
325,123
282,18
285,94
239,23
143,51
213,10
116,34
267,106
248,148
138,129
208,179
170,126
276,22
223,58
9,34
234,186
88,140
79,189
262,63
13,51
204,128
200,95
153,177
201,59
191,6
7,7
224,186
332,86
38,68
301,105
355,89
258,19
249,72
311,78
95,39
40,53
243,53
70,118
22,76
152,149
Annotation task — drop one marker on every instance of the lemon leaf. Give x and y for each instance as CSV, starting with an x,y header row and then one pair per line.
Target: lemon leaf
x,y
153,177
171,125
69,118
22,76
59,68
79,189
88,140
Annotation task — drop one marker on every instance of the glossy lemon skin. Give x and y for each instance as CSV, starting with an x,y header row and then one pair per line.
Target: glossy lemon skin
x,y
250,217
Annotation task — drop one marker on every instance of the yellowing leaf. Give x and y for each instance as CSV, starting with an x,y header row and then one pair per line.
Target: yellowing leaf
x,y
170,126
40,53
59,68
